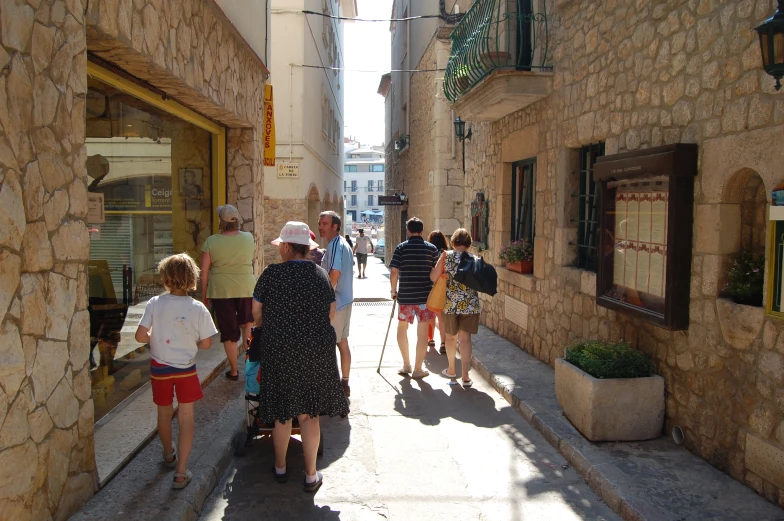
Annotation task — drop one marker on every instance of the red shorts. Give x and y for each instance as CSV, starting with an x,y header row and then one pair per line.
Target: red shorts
x,y
167,380
407,312
231,313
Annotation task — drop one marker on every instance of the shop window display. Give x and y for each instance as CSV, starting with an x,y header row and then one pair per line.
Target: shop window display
x,y
150,191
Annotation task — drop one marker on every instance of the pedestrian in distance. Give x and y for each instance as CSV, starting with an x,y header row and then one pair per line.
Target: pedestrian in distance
x,y
227,282
176,326
338,262
411,265
293,304
348,240
461,313
437,239
361,250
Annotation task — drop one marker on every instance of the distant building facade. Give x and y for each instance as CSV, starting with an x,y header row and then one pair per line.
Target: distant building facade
x,y
363,182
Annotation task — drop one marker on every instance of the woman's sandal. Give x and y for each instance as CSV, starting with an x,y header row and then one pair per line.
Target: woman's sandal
x,y
314,486
280,478
173,455
467,384
232,377
446,374
184,483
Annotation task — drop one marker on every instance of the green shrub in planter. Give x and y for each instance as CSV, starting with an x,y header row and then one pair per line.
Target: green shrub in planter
x,y
602,359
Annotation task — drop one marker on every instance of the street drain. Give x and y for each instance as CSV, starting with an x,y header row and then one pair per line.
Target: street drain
x,y
367,302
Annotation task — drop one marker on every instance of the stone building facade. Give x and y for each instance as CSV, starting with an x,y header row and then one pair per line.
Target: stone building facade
x,y
427,167
635,75
185,50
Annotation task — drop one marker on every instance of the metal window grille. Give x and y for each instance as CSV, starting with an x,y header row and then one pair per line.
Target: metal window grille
x,y
353,186
370,201
587,203
523,177
353,200
380,186
370,185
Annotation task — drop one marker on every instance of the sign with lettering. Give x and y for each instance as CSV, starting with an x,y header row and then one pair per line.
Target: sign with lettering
x,y
288,170
389,200
95,213
269,127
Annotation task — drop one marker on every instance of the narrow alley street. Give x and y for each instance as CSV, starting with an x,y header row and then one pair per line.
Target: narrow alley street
x,y
410,450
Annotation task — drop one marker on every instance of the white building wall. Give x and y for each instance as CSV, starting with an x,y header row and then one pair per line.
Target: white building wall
x,y
300,93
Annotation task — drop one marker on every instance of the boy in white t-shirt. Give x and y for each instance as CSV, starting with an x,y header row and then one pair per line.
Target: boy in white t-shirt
x,y
176,326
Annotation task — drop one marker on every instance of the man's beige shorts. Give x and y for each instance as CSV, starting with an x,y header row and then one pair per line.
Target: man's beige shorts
x,y
341,323
455,323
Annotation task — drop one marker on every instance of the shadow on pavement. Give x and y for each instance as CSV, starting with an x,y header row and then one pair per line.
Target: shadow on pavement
x,y
419,400
250,492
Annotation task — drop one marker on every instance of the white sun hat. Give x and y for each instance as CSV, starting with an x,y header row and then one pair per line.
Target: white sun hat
x,y
296,232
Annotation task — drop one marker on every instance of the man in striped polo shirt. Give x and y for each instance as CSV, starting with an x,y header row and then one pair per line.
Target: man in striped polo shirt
x,y
411,264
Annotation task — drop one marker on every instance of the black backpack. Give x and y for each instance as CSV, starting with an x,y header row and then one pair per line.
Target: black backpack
x,y
476,274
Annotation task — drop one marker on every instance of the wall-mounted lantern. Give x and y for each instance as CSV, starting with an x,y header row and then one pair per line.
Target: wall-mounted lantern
x,y
771,35
460,132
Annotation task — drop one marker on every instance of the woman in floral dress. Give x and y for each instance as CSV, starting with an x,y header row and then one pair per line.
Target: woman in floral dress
x,y
461,313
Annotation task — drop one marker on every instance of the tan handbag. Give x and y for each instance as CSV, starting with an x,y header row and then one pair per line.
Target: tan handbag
x,y
436,300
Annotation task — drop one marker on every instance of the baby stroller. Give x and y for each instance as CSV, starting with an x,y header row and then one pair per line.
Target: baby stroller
x,y
254,427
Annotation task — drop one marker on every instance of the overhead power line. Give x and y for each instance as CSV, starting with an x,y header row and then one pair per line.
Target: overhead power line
x,y
366,70
325,15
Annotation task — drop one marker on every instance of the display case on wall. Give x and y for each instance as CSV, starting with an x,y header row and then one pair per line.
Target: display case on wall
x,y
645,224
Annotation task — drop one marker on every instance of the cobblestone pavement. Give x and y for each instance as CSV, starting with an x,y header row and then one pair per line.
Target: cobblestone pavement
x,y
410,449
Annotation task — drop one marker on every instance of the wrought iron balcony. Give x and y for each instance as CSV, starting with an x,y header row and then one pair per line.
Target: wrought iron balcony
x,y
504,43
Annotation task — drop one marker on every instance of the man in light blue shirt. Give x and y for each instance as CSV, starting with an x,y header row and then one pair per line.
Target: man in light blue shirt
x,y
338,262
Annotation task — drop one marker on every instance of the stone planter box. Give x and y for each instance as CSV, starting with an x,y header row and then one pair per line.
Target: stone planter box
x,y
618,409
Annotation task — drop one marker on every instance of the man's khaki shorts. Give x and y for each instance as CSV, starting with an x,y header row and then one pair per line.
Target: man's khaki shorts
x,y
341,323
455,323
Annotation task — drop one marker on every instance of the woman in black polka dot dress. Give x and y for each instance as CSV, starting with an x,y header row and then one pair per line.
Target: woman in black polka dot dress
x,y
293,302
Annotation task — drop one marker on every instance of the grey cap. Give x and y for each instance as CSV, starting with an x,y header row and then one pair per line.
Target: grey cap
x,y
228,213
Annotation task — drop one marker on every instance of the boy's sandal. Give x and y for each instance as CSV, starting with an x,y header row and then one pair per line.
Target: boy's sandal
x,y
173,463
442,349
431,343
468,383
184,483
445,373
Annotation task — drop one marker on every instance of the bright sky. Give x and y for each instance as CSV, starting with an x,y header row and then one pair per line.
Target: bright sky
x,y
367,47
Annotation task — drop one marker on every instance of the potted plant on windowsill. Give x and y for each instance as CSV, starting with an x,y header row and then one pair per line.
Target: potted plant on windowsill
x,y
609,392
518,256
746,279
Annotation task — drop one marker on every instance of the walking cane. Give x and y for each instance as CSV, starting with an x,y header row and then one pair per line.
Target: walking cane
x,y
394,303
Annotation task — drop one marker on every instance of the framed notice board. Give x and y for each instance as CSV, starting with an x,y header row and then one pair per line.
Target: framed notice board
x,y
645,225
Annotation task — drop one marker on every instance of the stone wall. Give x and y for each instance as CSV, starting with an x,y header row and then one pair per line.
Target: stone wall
x,y
636,75
189,52
430,166
278,212
46,444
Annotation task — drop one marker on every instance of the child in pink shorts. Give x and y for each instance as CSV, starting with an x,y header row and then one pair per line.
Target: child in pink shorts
x,y
176,326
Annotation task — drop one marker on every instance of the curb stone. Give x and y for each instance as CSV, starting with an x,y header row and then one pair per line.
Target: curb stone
x,y
652,480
